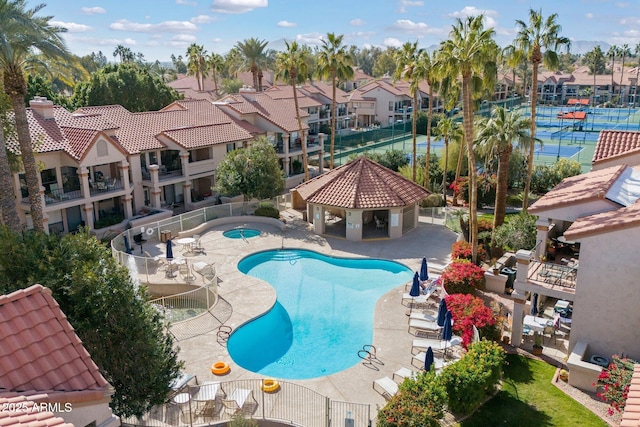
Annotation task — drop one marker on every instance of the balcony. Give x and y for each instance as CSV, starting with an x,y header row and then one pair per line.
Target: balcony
x,y
553,276
53,197
106,186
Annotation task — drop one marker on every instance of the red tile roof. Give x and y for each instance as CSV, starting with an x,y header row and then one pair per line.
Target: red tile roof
x,y
606,222
19,411
281,112
574,101
631,414
361,184
577,115
39,349
579,189
615,143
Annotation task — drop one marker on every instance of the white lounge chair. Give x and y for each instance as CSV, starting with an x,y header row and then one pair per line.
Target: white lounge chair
x,y
402,373
422,316
437,363
422,298
386,387
436,345
423,327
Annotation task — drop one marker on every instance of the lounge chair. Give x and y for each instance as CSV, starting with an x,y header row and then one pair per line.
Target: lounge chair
x,y
436,345
402,373
422,316
386,387
418,361
423,327
421,299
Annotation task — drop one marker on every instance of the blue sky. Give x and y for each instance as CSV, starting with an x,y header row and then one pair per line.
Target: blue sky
x,y
159,28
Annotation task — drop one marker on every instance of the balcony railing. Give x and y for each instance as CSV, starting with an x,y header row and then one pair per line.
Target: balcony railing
x,y
106,186
553,274
58,196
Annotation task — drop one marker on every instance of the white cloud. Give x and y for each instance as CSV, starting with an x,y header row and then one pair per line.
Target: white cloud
x,y
314,39
489,15
115,42
186,2
216,40
356,22
415,28
287,24
631,20
93,10
391,42
588,15
407,3
186,38
72,27
165,27
237,6
202,19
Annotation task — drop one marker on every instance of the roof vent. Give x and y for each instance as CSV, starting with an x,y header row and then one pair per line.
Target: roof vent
x,y
42,107
248,93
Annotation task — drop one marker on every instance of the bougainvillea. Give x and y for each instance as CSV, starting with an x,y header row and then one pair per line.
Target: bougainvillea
x,y
462,277
462,250
467,311
613,383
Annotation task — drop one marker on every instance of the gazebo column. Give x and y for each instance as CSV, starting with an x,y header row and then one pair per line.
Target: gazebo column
x,y
319,225
321,138
354,225
394,222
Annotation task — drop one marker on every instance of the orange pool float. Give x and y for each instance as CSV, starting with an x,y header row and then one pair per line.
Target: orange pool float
x,y
220,368
269,386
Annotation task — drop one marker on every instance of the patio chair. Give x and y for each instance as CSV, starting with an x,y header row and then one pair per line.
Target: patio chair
x,y
386,387
402,373
436,345
418,362
237,401
550,330
423,327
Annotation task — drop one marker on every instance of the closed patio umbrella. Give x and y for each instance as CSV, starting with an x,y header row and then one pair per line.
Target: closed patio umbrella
x,y
415,287
442,312
169,251
428,359
424,272
534,305
447,331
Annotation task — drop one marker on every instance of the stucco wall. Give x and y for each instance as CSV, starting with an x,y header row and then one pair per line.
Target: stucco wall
x,y
606,311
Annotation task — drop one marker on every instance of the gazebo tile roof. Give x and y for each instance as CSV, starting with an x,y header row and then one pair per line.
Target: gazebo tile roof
x,y
612,143
361,184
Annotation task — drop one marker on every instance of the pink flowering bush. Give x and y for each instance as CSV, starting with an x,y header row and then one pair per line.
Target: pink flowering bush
x,y
462,250
468,311
462,277
613,383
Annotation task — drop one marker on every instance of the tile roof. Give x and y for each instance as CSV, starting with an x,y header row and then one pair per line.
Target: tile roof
x,y
19,411
204,136
619,219
616,143
281,112
361,184
39,349
631,414
286,93
579,189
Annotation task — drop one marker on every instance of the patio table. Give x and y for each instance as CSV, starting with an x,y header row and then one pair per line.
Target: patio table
x,y
536,324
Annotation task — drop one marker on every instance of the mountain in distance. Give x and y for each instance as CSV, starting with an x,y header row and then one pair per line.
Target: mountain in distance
x,y
580,47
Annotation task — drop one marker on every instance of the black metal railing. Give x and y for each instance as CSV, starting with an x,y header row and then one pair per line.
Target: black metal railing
x,y
106,186
553,274
58,196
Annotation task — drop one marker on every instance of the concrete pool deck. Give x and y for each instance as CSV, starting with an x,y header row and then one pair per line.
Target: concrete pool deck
x,y
243,298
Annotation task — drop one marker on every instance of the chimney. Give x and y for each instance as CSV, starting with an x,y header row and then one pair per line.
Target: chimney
x,y
248,93
42,107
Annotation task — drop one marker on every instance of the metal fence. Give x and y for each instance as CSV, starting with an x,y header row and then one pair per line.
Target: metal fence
x,y
216,403
185,305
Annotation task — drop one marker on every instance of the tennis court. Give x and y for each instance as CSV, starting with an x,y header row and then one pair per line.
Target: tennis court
x,y
558,151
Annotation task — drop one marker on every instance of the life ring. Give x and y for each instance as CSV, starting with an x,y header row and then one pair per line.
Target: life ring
x,y
220,368
269,386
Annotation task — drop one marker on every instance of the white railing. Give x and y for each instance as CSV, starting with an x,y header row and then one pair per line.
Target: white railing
x,y
186,305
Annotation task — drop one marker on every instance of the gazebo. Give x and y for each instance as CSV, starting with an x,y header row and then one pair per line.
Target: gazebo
x,y
360,200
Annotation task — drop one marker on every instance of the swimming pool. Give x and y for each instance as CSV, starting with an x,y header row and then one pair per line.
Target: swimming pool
x,y
323,314
241,233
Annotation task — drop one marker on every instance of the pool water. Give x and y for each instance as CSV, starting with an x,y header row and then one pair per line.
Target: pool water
x,y
241,233
323,314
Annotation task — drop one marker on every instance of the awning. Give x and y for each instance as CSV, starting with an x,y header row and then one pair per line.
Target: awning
x,y
573,101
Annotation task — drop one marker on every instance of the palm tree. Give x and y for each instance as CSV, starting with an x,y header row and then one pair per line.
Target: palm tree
x,y
596,63
291,66
10,216
624,52
635,94
125,53
335,63
197,64
532,37
612,53
216,64
23,33
409,60
448,130
512,58
470,53
430,68
495,140
253,51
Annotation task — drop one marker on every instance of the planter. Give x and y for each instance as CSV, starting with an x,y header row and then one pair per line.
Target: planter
x,y
536,351
496,271
563,375
506,339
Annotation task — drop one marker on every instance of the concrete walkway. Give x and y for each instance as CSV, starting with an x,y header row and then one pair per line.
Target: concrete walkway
x,y
239,305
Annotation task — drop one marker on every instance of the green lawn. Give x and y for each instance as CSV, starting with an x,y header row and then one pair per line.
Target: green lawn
x,y
528,398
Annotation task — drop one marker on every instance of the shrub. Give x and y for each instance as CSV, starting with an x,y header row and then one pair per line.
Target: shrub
x,y
462,277
468,311
518,233
419,402
267,210
473,377
613,383
432,201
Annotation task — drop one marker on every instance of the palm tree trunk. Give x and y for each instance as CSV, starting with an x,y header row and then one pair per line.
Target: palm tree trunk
x,y
28,159
501,190
333,120
444,172
413,133
473,190
303,141
457,178
532,147
7,198
428,158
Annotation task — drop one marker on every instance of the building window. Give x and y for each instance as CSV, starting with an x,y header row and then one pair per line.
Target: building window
x,y
231,147
390,105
